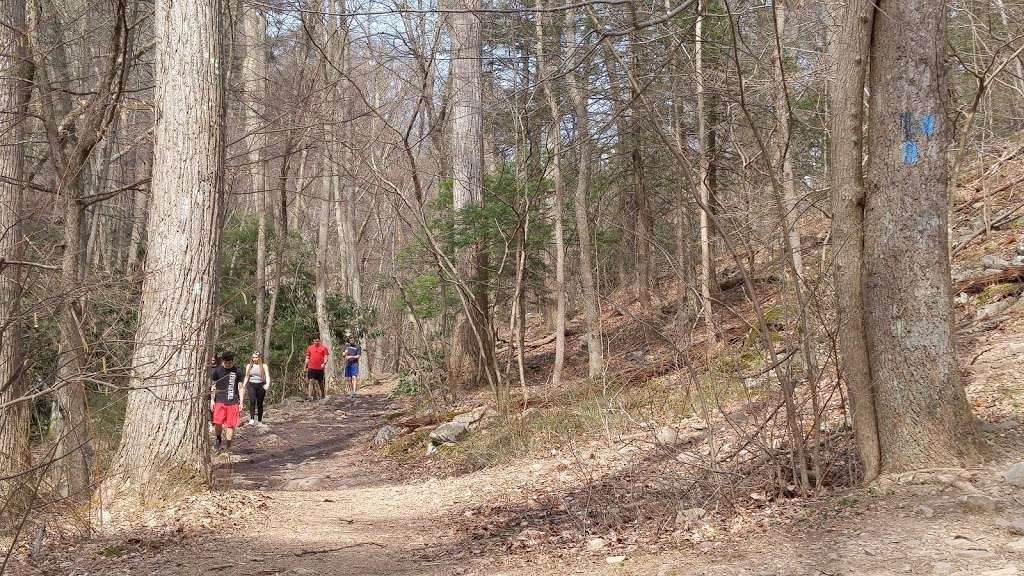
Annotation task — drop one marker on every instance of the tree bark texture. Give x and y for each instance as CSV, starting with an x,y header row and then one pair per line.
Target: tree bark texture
x,y
254,80
707,257
323,253
923,416
164,442
850,47
14,415
470,358
784,136
553,158
591,305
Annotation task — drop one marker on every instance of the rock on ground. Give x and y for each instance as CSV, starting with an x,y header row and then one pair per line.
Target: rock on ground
x,y
306,484
448,432
472,417
666,435
994,262
384,435
1015,475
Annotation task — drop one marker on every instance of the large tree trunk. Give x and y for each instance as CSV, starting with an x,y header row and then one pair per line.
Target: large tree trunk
x,y
14,414
584,148
164,444
471,355
553,158
923,416
254,80
70,425
850,48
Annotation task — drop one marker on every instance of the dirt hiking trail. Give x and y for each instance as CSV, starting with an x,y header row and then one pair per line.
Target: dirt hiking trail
x,y
310,494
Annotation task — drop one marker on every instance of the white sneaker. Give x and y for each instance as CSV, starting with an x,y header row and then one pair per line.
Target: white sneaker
x,y
251,421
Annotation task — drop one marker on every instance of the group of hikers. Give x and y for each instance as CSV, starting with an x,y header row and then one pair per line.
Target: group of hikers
x,y
231,387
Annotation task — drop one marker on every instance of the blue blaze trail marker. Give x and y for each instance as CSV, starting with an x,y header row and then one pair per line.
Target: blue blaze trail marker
x,y
910,153
928,125
909,150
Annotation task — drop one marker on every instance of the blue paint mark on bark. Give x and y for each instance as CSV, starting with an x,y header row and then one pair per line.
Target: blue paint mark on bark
x,y
907,123
928,125
910,153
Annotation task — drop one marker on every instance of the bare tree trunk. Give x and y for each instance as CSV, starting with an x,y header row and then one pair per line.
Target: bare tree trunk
x,y
345,189
471,355
323,251
708,276
591,305
72,132
164,443
554,152
783,136
686,310
14,415
70,430
254,80
280,240
923,417
850,48
643,230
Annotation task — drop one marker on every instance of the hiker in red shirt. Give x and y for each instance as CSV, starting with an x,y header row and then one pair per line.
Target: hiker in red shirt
x,y
316,358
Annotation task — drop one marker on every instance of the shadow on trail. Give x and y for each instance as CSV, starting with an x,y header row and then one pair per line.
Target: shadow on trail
x,y
303,438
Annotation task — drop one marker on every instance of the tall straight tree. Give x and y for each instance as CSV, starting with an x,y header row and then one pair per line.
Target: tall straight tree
x,y
471,356
708,278
73,129
584,149
553,158
904,358
923,416
784,132
254,80
14,412
342,156
164,434
850,47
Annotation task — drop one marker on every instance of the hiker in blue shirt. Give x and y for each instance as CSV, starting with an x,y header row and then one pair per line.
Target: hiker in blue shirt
x,y
352,353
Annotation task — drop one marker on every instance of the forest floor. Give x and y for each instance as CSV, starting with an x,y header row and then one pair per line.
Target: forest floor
x,y
310,495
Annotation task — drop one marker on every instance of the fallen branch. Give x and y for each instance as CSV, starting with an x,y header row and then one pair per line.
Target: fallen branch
x,y
999,221
336,549
994,191
979,283
533,343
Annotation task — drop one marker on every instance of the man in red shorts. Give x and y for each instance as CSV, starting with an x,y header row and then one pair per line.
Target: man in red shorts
x,y
316,358
227,399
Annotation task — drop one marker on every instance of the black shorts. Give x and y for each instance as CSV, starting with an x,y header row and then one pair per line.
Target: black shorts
x,y
313,374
